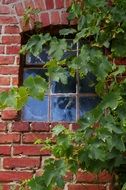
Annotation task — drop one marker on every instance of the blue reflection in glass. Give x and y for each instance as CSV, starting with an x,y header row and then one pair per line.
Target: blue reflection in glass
x,y
35,110
34,72
88,103
63,109
42,58
72,49
70,87
87,84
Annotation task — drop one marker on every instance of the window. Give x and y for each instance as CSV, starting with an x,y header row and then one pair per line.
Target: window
x,y
62,102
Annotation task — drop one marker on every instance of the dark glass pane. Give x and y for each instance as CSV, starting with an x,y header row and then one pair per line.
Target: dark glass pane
x,y
72,49
87,84
40,59
63,109
34,72
70,87
35,110
87,103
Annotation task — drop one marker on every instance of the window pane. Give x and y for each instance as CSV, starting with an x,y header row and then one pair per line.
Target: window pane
x,y
72,49
63,109
70,87
34,72
35,110
87,84
87,103
40,59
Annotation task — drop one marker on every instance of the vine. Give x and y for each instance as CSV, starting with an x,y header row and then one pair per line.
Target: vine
x,y
101,25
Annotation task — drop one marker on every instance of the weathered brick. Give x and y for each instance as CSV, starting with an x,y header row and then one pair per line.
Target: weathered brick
x,y
4,80
33,150
5,150
9,114
40,4
9,138
19,9
59,4
11,39
9,1
29,3
44,18
9,70
4,9
86,187
11,29
6,60
40,126
55,18
10,176
12,49
64,19
15,81
2,49
3,126
32,137
27,163
20,127
49,4
8,20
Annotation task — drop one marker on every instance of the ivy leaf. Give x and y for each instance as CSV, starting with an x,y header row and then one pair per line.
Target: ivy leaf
x,y
22,97
58,129
57,47
37,86
67,31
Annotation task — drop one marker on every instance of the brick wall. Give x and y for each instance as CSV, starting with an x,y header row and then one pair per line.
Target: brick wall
x,y
20,158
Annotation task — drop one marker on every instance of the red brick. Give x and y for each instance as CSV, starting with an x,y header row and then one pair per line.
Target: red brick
x,y
59,4
105,177
11,176
32,137
87,187
6,60
8,20
9,114
19,9
49,4
64,16
11,163
11,29
4,9
20,127
15,81
12,49
9,1
44,17
3,126
40,126
11,39
40,5
68,3
9,70
29,3
4,81
33,150
9,138
5,150
55,18
86,177
2,49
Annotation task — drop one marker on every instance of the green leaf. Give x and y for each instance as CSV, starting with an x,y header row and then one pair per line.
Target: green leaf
x,y
37,86
58,129
67,31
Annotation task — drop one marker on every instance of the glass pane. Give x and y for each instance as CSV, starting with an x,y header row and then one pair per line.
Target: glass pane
x,y
87,84
40,59
34,72
87,103
35,110
72,49
63,109
58,87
